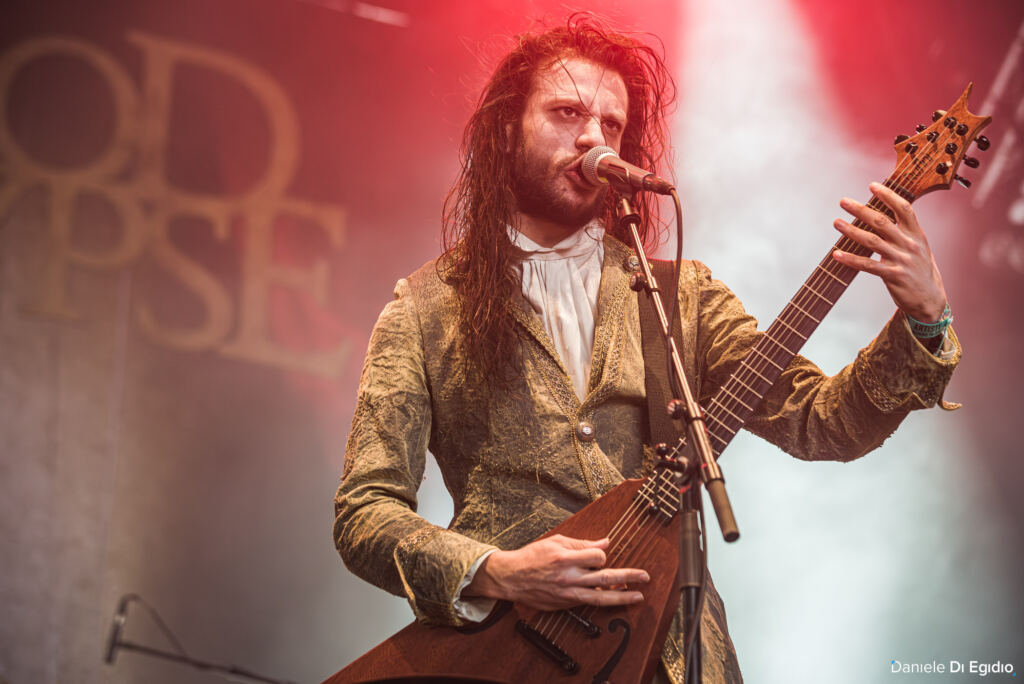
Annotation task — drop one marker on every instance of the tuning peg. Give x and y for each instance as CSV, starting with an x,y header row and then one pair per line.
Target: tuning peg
x,y
982,142
972,162
962,181
932,136
910,147
938,114
949,122
942,168
899,139
920,127
951,148
961,129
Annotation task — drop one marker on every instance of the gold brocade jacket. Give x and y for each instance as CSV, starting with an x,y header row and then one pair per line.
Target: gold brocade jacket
x,y
514,461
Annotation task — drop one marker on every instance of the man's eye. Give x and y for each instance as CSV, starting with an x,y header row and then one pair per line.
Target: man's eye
x,y
568,112
614,126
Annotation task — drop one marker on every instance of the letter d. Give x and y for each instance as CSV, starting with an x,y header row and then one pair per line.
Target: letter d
x,y
955,666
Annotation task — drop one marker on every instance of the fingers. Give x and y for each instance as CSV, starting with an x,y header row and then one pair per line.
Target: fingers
x,y
860,263
596,597
874,242
582,553
573,543
899,206
610,577
559,572
873,219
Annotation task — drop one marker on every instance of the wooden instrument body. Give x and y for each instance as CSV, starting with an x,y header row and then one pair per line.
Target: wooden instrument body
x,y
626,651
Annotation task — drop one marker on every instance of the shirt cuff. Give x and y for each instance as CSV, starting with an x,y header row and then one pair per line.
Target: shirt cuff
x,y
479,607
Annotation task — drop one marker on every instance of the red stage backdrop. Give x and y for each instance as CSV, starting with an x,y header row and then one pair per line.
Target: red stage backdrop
x,y
204,204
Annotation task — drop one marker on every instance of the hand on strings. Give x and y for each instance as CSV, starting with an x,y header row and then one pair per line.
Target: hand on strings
x,y
554,573
905,262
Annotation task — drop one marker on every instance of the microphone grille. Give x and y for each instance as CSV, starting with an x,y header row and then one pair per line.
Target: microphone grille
x,y
588,167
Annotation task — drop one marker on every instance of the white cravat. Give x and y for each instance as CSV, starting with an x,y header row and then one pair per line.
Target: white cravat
x,y
562,283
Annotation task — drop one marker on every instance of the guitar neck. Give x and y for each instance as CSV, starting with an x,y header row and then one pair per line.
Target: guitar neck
x,y
926,161
730,408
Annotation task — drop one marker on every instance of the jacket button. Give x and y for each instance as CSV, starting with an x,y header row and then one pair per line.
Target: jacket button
x,y
585,431
633,262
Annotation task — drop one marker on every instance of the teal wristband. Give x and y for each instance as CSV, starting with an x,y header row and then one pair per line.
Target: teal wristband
x,y
928,330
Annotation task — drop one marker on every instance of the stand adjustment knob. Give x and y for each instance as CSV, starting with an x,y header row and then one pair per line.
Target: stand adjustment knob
x,y
676,409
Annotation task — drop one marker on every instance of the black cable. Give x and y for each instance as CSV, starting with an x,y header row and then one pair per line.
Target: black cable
x,y
162,625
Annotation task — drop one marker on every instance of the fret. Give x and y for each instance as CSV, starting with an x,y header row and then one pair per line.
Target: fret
x,y
768,358
800,309
735,402
831,275
779,320
881,209
818,294
725,389
721,422
714,436
751,369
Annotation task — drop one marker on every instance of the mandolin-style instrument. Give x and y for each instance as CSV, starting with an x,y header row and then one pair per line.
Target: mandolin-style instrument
x,y
594,645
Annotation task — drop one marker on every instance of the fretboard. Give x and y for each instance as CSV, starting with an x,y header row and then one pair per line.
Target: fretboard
x,y
730,408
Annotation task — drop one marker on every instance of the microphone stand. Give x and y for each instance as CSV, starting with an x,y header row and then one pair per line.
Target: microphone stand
x,y
692,561
116,643
229,671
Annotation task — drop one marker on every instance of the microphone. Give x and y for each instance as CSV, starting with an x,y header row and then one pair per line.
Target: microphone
x,y
602,166
117,627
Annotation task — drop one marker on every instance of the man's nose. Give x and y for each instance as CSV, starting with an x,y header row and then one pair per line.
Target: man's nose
x,y
591,135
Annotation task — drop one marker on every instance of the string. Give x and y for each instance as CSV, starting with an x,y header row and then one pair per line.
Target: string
x,y
615,551
818,294
636,510
626,553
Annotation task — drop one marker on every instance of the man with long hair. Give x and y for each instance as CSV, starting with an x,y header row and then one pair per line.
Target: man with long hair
x,y
515,356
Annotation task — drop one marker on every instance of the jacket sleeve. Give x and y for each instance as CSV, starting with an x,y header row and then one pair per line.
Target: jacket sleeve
x,y
813,416
376,529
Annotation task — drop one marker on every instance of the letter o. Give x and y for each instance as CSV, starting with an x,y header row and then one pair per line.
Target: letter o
x,y
109,163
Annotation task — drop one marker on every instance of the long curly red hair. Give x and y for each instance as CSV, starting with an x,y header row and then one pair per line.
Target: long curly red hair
x,y
477,259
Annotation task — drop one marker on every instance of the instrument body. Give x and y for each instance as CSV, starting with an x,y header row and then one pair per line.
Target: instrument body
x,y
626,650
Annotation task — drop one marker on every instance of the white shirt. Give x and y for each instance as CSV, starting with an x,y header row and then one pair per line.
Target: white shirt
x,y
561,283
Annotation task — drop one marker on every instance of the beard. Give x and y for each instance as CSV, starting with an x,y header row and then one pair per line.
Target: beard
x,y
537,185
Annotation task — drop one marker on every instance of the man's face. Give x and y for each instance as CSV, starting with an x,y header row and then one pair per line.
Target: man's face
x,y
575,105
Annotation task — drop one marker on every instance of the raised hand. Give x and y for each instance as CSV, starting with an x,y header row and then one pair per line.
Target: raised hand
x,y
905,263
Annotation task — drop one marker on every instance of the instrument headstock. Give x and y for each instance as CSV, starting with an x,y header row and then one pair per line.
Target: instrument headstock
x,y
929,159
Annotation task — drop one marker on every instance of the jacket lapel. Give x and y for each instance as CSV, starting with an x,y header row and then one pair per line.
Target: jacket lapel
x,y
612,303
